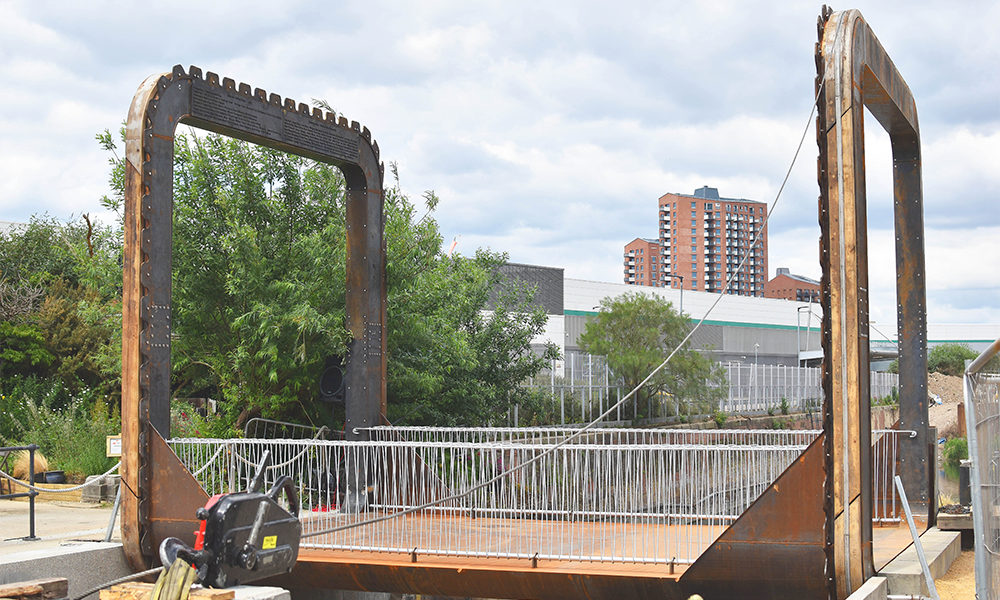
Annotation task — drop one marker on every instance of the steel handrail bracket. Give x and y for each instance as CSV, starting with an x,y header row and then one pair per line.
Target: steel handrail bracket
x,y
159,492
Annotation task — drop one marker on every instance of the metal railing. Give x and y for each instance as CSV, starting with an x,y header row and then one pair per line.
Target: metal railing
x,y
615,495
582,385
982,415
756,388
6,452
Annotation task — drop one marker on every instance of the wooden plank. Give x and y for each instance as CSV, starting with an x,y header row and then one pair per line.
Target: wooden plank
x,y
36,589
142,591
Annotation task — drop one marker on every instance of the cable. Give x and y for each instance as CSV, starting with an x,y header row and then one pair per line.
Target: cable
x,y
63,490
613,407
119,580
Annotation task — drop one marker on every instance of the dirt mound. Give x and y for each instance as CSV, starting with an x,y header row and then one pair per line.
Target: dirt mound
x,y
947,386
944,416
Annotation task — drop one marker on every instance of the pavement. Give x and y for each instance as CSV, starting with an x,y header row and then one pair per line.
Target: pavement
x,y
56,524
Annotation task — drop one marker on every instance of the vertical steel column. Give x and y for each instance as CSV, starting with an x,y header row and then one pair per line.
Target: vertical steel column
x,y
911,318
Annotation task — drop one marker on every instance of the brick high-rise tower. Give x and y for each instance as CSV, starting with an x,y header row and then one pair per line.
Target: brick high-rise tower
x,y
702,239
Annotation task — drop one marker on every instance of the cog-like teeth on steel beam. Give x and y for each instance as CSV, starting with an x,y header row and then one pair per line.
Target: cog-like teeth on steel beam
x,y
229,84
245,88
331,117
178,72
317,113
290,104
375,148
212,78
303,109
260,95
195,72
367,134
342,121
356,126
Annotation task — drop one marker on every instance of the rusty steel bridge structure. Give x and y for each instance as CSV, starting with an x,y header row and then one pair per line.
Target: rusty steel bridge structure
x,y
807,534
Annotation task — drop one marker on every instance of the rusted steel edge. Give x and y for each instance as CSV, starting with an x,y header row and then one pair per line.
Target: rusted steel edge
x,y
503,578
161,102
855,72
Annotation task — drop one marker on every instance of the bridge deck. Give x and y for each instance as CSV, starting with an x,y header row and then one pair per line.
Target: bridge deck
x,y
519,577
589,542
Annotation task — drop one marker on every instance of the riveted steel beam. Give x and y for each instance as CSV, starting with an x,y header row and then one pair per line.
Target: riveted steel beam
x,y
854,72
222,106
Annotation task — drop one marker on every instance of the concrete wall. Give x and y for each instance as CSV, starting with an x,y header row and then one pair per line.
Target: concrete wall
x,y
85,565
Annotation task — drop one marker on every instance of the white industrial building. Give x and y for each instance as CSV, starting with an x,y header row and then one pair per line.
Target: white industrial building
x,y
739,328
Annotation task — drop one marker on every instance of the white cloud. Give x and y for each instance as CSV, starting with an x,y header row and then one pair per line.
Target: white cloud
x,y
548,129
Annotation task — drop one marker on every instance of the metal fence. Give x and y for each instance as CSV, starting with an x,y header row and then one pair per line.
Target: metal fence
x,y
616,495
982,414
759,388
583,386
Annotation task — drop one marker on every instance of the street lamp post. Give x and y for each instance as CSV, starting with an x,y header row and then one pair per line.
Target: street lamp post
x,y
681,277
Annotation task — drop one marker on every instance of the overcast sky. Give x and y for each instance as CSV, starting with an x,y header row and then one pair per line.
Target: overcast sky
x,y
548,129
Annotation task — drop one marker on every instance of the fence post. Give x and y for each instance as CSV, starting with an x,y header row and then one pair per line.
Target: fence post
x,y
31,493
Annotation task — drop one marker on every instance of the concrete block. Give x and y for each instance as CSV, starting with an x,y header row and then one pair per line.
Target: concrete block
x,y
84,564
904,574
110,487
93,493
876,588
314,594
260,592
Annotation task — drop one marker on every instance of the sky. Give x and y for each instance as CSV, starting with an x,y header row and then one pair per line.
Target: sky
x,y
547,129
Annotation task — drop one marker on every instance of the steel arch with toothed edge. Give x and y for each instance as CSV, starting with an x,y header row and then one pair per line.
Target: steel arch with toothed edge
x,y
149,512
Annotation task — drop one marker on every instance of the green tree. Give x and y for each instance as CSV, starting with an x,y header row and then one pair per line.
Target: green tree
x,y
61,283
949,359
637,332
259,263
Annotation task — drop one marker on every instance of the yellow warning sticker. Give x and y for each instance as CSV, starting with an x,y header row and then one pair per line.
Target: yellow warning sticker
x,y
270,541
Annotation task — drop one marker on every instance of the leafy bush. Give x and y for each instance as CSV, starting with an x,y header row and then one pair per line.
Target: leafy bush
x,y
949,359
72,436
720,417
784,405
955,450
187,421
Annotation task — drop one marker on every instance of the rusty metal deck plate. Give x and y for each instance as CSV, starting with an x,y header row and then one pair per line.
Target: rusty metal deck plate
x,y
220,105
776,548
471,577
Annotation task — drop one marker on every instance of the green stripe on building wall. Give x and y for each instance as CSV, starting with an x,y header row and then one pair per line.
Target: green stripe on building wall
x,y
590,313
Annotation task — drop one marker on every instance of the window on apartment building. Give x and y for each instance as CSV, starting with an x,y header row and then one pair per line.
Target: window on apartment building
x,y
694,205
708,206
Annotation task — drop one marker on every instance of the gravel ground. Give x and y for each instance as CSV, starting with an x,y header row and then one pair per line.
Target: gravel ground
x,y
959,583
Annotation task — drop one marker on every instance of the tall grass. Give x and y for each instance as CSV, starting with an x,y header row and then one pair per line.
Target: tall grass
x,y
71,430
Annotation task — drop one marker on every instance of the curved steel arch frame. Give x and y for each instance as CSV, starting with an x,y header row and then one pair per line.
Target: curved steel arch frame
x,y
161,103
856,73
